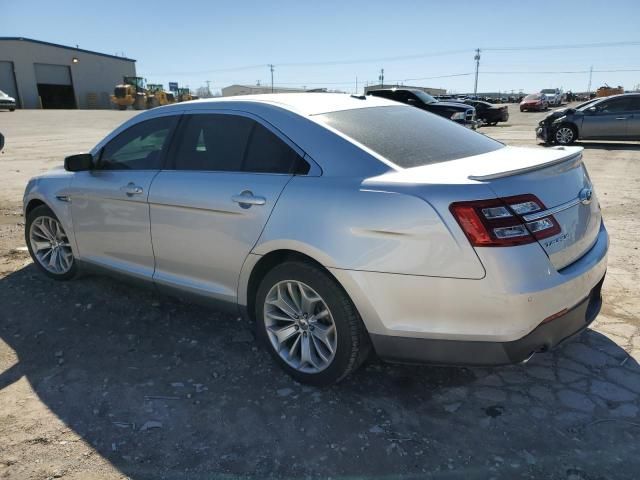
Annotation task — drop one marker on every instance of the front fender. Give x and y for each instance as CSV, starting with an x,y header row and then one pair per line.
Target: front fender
x,y
53,191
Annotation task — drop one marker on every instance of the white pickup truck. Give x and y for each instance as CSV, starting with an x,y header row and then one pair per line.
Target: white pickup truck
x,y
554,96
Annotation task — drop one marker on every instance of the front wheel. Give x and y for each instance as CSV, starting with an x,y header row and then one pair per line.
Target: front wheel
x,y
565,135
48,244
309,324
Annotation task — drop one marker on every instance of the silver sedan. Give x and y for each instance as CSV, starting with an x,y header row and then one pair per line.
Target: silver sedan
x,y
340,224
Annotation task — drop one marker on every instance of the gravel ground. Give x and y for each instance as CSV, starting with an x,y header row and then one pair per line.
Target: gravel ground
x,y
100,380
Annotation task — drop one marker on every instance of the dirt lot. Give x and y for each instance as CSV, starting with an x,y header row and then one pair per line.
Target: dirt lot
x,y
99,380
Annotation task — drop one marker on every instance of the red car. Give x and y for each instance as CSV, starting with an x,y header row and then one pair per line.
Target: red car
x,y
536,101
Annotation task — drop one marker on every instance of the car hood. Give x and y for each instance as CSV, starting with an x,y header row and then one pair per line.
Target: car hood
x,y
560,112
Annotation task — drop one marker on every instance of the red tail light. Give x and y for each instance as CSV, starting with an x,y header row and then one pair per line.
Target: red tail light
x,y
500,223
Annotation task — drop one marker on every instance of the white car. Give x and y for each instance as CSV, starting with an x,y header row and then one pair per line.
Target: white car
x,y
554,96
7,102
337,223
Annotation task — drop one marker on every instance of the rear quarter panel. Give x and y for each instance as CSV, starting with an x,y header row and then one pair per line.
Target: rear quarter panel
x,y
344,224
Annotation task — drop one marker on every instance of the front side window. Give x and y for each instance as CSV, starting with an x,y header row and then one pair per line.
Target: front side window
x,y
617,105
140,147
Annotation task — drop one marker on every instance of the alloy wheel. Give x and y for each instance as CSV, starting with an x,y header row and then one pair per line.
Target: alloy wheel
x,y
564,135
300,326
50,245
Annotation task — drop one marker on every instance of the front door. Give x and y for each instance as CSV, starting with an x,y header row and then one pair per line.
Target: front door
x,y
209,211
607,120
109,203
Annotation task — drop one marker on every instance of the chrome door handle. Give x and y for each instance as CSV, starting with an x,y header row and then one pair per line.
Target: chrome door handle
x,y
246,199
621,118
132,189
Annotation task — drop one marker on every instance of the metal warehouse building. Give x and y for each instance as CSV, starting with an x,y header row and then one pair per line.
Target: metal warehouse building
x,y
46,75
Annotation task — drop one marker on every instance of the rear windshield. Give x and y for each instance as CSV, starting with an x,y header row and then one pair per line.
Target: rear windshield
x,y
409,136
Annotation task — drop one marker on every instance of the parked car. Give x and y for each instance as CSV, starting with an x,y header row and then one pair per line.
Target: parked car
x,y
554,96
460,113
534,102
338,224
488,113
7,102
610,118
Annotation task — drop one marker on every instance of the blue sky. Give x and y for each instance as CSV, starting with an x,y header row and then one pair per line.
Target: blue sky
x,y
191,42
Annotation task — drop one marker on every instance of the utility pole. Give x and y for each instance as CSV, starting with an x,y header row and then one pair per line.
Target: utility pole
x,y
208,82
356,84
271,69
589,87
477,59
381,77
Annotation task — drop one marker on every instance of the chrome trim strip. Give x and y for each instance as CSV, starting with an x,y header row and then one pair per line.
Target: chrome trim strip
x,y
551,211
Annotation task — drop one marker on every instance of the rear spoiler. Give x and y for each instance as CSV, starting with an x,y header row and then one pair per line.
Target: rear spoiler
x,y
575,156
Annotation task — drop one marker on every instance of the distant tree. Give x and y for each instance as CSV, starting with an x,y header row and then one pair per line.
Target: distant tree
x,y
203,92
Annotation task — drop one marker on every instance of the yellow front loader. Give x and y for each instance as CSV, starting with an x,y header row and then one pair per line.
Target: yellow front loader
x,y
130,92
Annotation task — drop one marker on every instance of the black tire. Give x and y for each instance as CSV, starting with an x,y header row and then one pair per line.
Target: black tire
x,y
122,107
560,141
12,109
44,211
353,343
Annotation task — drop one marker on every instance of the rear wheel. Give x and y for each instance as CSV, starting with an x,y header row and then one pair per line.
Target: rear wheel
x,y
309,324
565,135
122,107
48,244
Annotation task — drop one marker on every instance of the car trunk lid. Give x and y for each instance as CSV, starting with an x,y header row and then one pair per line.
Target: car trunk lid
x,y
560,180
556,176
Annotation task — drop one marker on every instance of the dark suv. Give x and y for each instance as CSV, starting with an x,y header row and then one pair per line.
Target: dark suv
x,y
458,112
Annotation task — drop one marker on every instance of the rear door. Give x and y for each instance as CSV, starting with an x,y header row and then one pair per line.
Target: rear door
x,y
209,209
109,203
633,123
609,120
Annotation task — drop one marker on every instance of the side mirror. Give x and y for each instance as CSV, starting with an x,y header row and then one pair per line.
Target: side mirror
x,y
78,163
411,100
592,109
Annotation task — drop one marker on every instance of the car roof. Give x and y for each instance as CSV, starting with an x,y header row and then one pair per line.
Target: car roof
x,y
305,104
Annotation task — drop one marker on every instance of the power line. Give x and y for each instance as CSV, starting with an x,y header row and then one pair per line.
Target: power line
x,y
561,71
397,58
565,46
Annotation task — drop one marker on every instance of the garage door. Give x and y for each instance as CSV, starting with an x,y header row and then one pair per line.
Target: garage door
x,y
8,80
54,86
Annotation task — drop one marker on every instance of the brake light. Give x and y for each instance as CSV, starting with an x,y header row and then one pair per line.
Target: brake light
x,y
499,222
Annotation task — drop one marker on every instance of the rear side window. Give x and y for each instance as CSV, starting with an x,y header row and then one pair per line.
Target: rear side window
x,y
266,153
233,143
409,137
213,142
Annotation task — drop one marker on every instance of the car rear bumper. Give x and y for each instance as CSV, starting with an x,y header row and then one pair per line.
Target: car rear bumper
x,y
437,319
451,352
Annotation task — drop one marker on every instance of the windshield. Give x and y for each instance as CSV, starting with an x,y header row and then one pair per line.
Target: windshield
x,y
548,90
409,137
588,103
425,97
532,97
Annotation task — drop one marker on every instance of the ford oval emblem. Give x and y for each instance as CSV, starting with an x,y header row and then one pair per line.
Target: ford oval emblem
x,y
585,196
